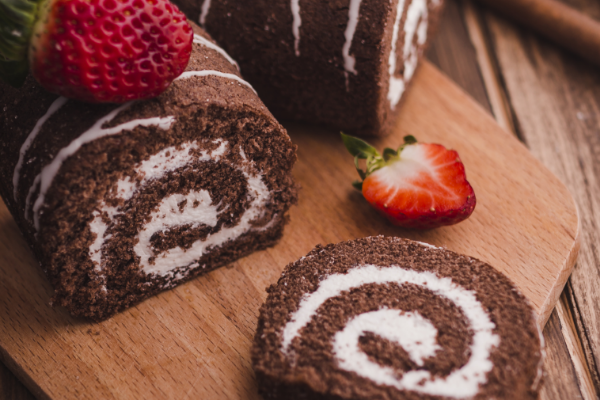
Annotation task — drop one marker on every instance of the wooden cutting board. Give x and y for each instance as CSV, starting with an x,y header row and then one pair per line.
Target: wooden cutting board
x,y
194,341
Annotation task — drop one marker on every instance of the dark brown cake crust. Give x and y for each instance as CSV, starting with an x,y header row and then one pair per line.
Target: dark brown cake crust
x,y
208,111
309,368
312,86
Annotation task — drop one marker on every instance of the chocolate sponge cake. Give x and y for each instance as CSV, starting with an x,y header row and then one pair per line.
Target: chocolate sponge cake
x,y
120,202
389,318
341,63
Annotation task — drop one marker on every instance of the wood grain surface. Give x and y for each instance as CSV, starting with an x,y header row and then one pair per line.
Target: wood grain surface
x,y
194,341
565,25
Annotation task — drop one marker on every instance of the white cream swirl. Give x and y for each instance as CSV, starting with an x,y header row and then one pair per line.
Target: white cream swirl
x,y
419,341
197,210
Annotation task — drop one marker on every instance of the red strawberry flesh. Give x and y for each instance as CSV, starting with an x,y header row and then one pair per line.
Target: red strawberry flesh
x,y
424,189
109,50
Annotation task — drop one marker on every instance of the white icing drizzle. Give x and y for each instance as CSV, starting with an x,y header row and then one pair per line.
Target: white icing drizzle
x,y
428,245
349,61
189,74
417,11
54,107
297,22
204,12
95,132
207,43
30,193
461,383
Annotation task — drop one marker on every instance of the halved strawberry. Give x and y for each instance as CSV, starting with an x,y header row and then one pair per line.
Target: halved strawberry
x,y
420,185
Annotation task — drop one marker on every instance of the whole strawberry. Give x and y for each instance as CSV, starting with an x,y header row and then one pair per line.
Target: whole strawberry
x,y
108,50
419,186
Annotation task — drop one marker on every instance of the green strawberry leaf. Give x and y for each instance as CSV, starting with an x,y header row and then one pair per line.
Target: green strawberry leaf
x,y
358,147
16,24
410,139
357,185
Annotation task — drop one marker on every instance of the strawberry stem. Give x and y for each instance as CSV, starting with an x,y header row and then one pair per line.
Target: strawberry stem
x,y
362,150
388,154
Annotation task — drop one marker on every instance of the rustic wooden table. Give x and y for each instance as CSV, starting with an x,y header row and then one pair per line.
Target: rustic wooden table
x,y
550,99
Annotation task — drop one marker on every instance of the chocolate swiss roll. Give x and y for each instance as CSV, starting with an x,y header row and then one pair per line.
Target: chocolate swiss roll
x,y
341,63
120,202
389,318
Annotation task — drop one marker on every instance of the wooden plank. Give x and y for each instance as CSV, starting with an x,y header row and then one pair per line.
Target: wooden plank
x,y
558,365
574,346
568,27
590,7
488,66
195,340
11,388
556,98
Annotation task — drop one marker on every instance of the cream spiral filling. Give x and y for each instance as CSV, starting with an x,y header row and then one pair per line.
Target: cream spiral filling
x,y
419,341
199,209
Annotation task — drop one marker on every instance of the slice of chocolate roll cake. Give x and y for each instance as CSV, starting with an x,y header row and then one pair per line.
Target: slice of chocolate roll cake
x,y
389,318
341,63
120,202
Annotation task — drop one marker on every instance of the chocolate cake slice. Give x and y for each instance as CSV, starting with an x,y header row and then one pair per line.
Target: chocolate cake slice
x,y
120,202
389,318
341,63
